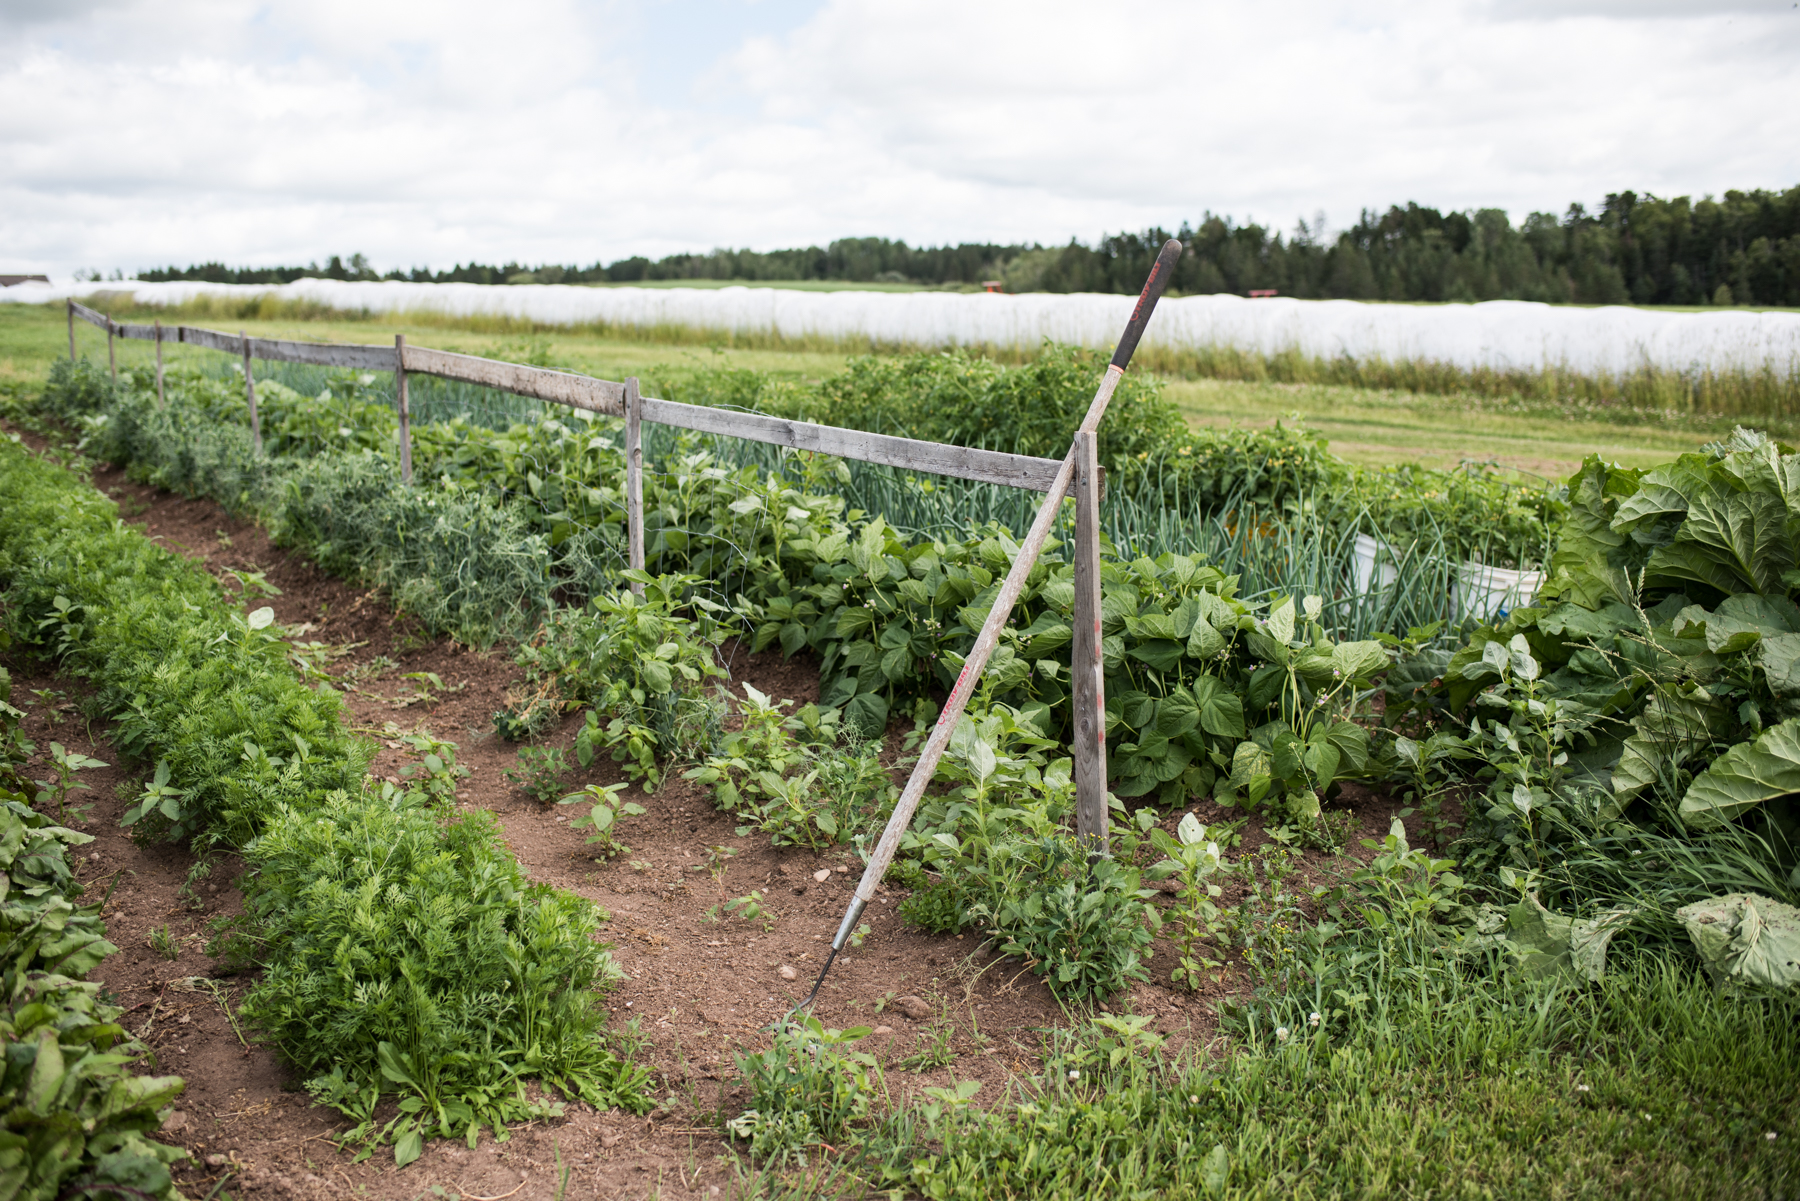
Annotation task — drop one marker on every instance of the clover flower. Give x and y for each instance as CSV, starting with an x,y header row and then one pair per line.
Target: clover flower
x,y
1314,1020
1281,1034
1074,1075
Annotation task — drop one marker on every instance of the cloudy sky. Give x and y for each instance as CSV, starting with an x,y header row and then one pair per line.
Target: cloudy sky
x,y
137,133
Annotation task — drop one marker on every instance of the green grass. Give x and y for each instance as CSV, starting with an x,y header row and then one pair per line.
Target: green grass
x,y
1381,427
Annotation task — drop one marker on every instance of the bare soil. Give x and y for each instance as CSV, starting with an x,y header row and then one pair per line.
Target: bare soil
x,y
699,986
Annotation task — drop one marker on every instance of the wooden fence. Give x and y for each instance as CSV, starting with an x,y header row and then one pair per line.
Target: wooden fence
x,y
622,399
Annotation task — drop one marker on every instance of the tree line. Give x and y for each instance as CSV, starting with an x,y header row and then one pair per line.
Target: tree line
x,y
1633,249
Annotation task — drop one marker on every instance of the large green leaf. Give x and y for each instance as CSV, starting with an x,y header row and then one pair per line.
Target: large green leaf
x,y
1221,709
1746,775
1732,543
1585,566
1743,938
1359,660
1674,726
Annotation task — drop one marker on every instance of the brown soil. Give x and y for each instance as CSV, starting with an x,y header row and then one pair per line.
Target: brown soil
x,y
697,988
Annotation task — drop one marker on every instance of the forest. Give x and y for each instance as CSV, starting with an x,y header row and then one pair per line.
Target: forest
x,y
1743,249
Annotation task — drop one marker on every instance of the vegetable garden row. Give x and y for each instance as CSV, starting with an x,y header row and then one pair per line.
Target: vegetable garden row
x,y
1621,753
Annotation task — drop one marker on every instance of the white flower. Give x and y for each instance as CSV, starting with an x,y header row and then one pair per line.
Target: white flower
x,y
1770,1136
1281,1033
1581,1088
1074,1075
1193,1100
1314,1020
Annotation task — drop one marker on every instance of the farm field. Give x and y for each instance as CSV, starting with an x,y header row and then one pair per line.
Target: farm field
x,y
1371,426
1353,942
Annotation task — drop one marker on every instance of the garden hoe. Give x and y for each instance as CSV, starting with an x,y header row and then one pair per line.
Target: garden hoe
x,y
996,619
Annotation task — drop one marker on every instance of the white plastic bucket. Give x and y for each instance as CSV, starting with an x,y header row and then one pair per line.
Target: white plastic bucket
x,y
1489,593
1372,565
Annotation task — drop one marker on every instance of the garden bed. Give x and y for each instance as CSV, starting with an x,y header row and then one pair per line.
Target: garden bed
x,y
697,989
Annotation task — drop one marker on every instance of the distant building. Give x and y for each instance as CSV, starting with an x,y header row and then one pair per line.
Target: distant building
x,y
7,281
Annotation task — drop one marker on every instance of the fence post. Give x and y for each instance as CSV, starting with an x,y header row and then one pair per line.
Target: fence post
x,y
634,478
112,356
1085,665
405,413
160,403
250,392
71,333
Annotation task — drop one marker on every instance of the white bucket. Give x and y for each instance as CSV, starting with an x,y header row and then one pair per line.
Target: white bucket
x,y
1372,565
1489,593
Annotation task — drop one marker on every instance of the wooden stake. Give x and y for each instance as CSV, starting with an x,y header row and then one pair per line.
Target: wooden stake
x,y
1085,657
112,356
405,413
634,478
978,656
250,393
71,333
159,368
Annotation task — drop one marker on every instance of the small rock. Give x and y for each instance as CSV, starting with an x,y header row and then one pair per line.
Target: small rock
x,y
912,1007
175,1121
882,1030
841,870
215,1160
609,1138
786,972
822,875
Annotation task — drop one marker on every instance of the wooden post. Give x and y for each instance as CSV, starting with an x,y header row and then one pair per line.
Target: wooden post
x,y
1085,665
160,403
250,393
634,478
112,356
71,333
405,413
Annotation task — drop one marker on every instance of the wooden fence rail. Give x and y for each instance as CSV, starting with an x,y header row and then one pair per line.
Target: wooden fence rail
x,y
1079,476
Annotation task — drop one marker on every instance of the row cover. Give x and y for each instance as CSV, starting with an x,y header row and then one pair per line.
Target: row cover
x,y
1497,334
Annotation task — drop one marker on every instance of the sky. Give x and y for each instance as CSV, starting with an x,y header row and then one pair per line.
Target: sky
x,y
135,134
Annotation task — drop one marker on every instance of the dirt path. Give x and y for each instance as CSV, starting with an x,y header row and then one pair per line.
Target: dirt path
x,y
698,988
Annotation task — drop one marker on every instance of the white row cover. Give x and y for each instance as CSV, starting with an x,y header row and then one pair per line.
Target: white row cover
x,y
1506,334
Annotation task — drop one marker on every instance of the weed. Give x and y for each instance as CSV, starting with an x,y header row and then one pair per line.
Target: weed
x,y
605,808
539,773
55,791
164,943
935,1049
436,775
808,1088
752,909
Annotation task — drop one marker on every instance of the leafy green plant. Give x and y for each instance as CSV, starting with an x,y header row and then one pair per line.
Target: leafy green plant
x,y
1083,927
806,1089
604,810
163,942
1192,859
65,763
936,1048
436,775
539,772
159,796
76,1120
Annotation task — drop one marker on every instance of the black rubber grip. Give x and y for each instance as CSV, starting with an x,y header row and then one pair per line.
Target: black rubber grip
x,y
1153,290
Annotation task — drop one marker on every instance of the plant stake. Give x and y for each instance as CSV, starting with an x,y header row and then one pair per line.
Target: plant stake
x,y
997,617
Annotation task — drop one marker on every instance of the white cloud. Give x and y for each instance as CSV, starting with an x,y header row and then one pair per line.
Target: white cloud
x,y
139,133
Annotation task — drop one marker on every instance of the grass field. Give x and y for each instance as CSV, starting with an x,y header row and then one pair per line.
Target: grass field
x,y
1370,426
